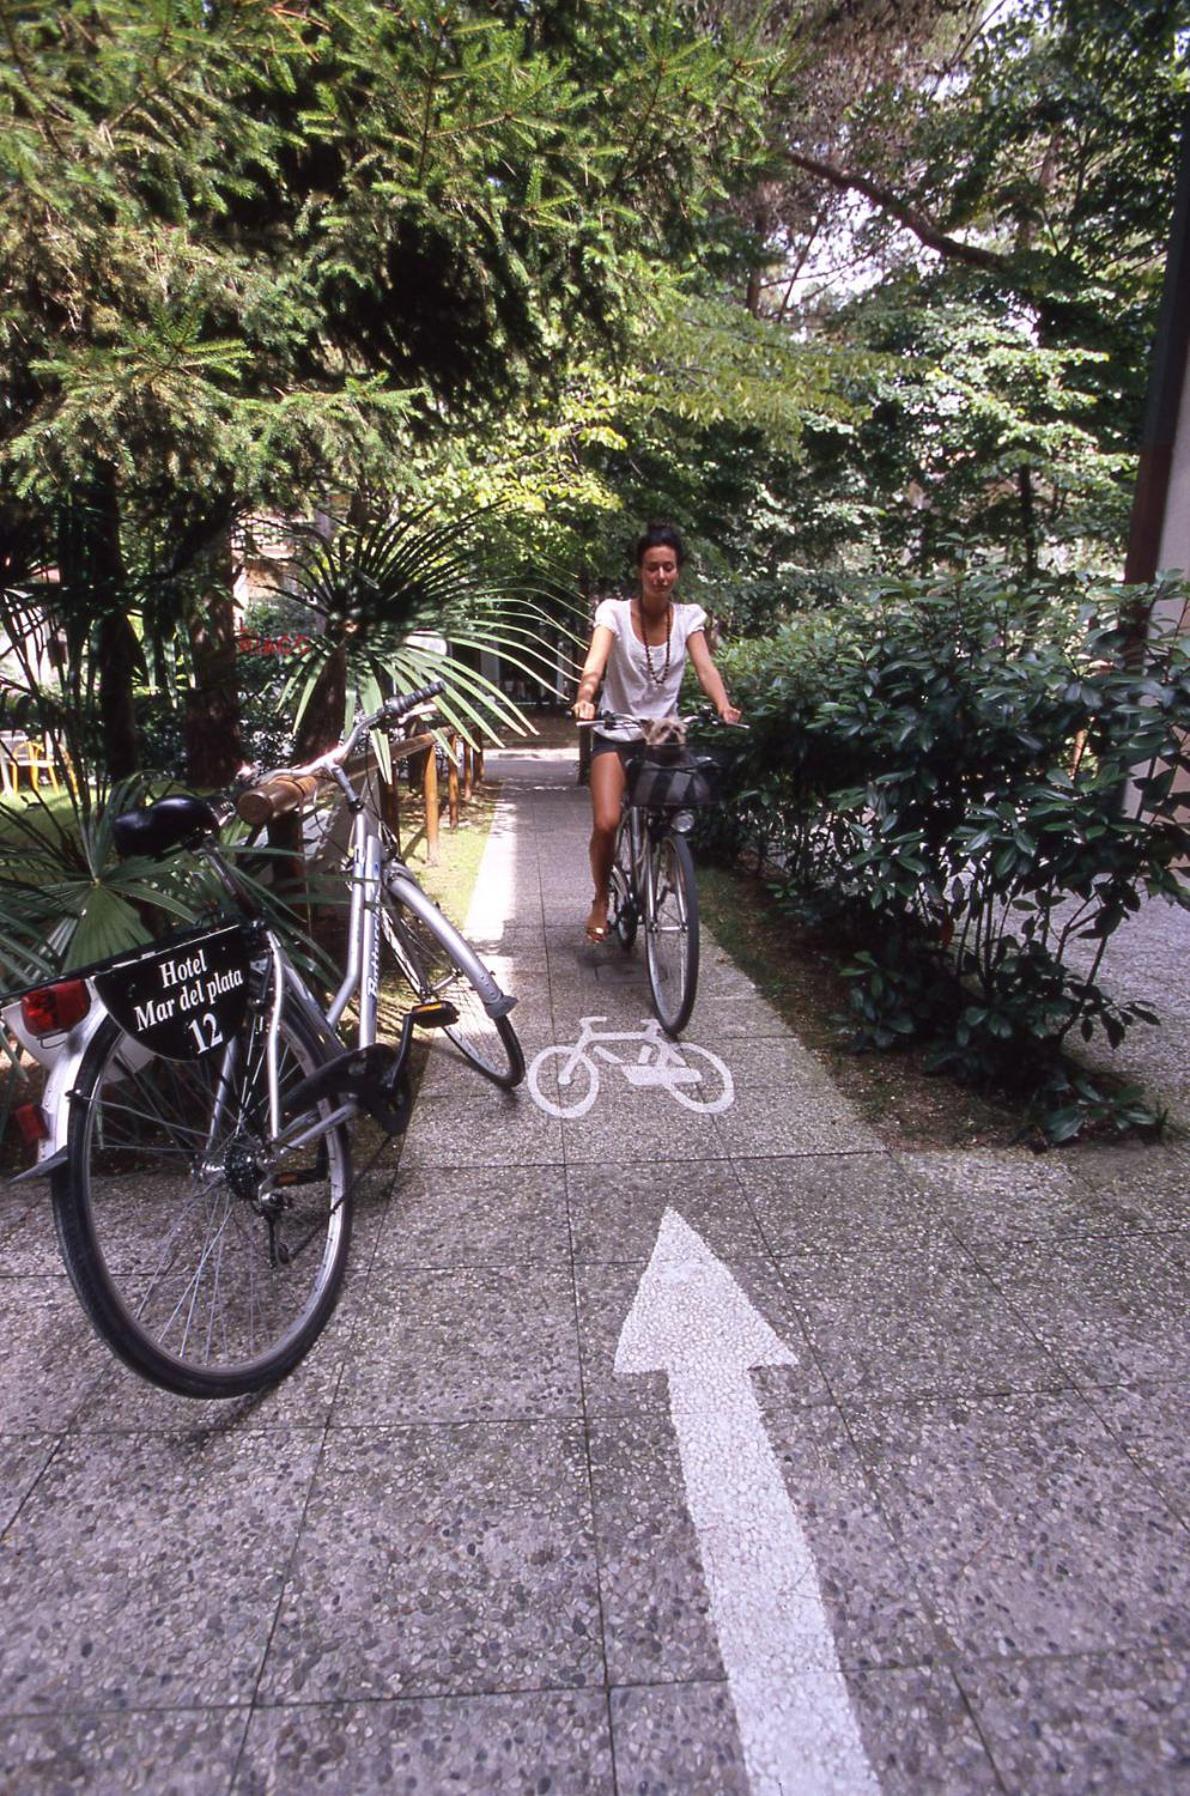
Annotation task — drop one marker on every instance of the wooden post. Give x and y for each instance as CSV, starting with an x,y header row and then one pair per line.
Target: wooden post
x,y
430,790
390,796
468,772
452,781
479,760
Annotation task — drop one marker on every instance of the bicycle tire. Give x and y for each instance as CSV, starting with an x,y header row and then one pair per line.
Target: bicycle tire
x,y
671,932
425,951
195,1273
588,1088
624,911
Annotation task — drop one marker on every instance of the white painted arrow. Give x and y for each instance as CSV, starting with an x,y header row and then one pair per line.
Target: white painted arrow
x,y
690,1320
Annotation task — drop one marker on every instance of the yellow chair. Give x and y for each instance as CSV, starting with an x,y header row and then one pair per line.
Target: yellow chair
x,y
22,754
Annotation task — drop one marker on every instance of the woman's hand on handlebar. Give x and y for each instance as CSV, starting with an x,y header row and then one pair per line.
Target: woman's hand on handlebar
x,y
729,713
584,710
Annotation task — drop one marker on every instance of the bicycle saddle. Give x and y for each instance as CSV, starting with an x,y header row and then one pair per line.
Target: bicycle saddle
x,y
167,824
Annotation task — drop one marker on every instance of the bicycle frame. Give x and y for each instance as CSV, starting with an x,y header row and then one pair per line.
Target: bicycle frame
x,y
369,878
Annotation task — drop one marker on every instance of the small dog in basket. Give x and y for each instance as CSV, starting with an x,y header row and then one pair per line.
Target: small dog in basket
x,y
660,732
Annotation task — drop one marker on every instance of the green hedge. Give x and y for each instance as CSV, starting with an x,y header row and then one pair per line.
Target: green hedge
x,y
954,771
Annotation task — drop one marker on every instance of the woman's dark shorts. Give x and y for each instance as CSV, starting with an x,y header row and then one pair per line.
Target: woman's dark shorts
x,y
603,745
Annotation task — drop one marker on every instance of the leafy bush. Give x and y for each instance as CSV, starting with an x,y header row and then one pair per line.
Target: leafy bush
x,y
969,778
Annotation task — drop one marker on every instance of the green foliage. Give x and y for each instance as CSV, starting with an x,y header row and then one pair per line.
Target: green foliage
x,y
66,898
383,601
972,778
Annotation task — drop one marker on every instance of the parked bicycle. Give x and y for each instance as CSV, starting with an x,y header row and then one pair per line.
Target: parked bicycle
x,y
564,1079
652,879
197,1115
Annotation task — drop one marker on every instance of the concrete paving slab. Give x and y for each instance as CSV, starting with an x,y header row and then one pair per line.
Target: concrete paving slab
x,y
920,1734
442,1561
616,1210
50,1361
1110,1308
807,1203
1087,1725
470,1122
148,1571
1153,1424
1020,1518
28,1243
914,1320
23,1459
491,1216
548,1740
1149,1190
817,1120
670,1739
1008,1194
464,1343
184,1752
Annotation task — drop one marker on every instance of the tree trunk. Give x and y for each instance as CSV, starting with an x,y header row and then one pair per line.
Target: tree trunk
x,y
118,653
214,747
91,565
322,720
1028,519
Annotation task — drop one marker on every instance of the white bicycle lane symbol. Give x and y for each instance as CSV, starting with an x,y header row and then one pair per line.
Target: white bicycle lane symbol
x,y
693,1077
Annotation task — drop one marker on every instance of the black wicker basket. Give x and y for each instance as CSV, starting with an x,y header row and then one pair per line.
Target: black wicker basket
x,y
670,778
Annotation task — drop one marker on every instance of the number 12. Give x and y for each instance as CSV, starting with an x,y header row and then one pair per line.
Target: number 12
x,y
213,1037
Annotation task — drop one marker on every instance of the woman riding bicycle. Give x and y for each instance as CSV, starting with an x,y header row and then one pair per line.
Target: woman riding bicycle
x,y
638,650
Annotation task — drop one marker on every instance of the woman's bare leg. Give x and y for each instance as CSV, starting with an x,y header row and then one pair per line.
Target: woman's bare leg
x,y
607,789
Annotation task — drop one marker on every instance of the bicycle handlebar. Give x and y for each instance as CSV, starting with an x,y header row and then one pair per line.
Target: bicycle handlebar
x,y
703,715
288,787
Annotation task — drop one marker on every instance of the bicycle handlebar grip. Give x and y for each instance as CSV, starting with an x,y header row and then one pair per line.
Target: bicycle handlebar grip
x,y
409,701
276,796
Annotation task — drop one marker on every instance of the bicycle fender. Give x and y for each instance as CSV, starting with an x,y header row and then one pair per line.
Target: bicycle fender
x,y
58,1086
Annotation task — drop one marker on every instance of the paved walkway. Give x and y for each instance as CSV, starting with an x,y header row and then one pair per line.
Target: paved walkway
x,y
527,1520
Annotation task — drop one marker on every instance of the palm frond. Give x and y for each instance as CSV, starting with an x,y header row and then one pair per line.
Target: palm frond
x,y
375,589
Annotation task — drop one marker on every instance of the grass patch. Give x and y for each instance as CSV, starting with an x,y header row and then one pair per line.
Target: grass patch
x,y
798,973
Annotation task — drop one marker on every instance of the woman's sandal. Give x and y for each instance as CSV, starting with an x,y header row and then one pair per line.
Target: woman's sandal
x,y
596,932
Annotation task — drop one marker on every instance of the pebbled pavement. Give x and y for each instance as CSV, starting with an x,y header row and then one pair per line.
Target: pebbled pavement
x,y
452,1552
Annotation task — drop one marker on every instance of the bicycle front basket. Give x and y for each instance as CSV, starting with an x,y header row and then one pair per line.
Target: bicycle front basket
x,y
670,780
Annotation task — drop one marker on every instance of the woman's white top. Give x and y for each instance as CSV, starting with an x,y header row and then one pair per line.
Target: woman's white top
x,y
626,683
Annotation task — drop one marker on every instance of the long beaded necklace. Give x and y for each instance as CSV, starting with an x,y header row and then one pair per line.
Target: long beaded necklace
x,y
654,678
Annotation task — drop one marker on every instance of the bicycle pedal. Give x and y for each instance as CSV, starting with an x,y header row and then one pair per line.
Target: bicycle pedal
x,y
435,1013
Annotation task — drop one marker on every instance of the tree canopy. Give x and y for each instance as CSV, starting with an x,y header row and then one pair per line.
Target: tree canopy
x,y
834,286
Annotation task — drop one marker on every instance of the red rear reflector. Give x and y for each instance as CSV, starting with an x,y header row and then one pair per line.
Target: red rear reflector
x,y
55,1008
30,1120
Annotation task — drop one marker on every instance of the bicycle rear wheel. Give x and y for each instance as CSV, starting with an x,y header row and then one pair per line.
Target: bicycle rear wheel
x,y
430,958
207,1269
671,932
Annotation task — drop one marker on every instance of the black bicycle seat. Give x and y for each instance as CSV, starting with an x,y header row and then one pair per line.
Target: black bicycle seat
x,y
164,825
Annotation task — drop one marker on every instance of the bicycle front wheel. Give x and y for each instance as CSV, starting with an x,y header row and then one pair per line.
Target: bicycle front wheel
x,y
428,954
208,1268
671,932
623,911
